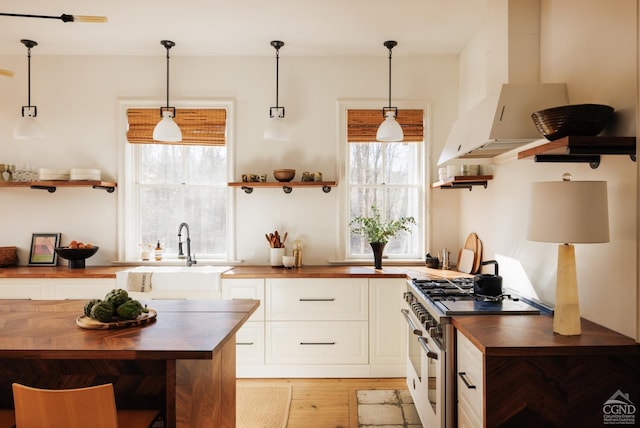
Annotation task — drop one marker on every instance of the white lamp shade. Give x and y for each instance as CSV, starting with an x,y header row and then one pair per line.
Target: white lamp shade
x,y
28,128
277,130
389,129
167,130
569,212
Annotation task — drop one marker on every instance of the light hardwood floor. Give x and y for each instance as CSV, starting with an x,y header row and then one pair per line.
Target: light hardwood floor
x,y
326,403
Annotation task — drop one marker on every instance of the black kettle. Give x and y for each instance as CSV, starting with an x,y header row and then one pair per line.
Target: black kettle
x,y
485,284
431,262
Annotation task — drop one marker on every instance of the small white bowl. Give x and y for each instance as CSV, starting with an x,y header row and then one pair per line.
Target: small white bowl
x,y
288,261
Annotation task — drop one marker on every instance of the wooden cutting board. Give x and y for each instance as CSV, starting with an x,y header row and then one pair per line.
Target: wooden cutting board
x,y
466,261
478,259
91,324
471,243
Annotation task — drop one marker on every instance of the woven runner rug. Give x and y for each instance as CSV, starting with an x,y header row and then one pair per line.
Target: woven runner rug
x,y
262,406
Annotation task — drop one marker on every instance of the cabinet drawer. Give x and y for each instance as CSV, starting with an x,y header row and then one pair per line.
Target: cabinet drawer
x,y
250,343
76,288
317,299
469,376
245,289
328,342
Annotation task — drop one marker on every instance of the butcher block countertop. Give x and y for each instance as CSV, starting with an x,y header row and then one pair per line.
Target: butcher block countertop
x,y
527,335
322,271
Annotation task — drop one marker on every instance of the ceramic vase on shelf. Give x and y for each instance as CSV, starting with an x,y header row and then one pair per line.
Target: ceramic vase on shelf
x,y
378,249
275,256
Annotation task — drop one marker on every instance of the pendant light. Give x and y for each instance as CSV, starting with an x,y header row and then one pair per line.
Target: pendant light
x,y
389,129
28,127
64,17
277,129
167,130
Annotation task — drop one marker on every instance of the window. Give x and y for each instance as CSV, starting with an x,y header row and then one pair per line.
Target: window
x,y
171,183
388,175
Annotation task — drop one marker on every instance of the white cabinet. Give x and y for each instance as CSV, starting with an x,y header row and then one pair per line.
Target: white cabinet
x,y
80,288
314,299
387,341
250,339
317,342
24,288
470,383
55,288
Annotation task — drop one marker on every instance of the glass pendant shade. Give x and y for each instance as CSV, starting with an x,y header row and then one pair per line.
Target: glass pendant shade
x,y
390,129
167,130
277,130
28,128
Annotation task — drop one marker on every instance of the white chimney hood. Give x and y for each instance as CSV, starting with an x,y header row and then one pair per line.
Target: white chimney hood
x,y
502,121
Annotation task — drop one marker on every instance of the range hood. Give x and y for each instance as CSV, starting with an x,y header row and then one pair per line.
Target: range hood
x,y
501,122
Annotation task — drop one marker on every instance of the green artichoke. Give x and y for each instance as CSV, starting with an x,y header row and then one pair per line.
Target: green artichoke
x,y
89,305
117,297
130,310
102,311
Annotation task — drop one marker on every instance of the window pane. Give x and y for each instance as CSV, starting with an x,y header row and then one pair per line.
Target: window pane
x,y
401,163
205,164
366,163
160,214
160,164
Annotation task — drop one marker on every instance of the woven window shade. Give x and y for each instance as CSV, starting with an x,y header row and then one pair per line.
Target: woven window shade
x,y
362,125
202,127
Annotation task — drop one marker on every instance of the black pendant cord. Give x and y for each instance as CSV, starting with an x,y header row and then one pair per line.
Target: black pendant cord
x,y
63,17
389,77
167,78
277,73
29,77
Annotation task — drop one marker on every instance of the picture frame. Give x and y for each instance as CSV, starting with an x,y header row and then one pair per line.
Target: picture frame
x,y
43,251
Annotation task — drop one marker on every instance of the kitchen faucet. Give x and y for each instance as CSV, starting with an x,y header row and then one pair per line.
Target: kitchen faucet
x,y
190,261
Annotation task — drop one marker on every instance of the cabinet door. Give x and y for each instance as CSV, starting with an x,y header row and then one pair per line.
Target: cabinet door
x,y
23,288
321,342
80,288
470,379
246,289
317,299
387,337
250,343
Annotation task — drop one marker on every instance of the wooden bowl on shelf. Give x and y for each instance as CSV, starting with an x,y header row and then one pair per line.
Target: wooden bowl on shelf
x,y
284,175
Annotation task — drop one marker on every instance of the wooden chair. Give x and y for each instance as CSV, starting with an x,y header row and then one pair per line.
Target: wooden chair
x,y
7,418
94,406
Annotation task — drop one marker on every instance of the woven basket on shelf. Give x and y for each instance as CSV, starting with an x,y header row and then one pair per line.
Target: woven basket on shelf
x,y
572,120
8,256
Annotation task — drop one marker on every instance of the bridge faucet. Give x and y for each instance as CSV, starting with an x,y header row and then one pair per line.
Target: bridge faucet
x,y
190,261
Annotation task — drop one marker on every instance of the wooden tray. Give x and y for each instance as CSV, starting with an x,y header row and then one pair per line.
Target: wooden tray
x,y
84,321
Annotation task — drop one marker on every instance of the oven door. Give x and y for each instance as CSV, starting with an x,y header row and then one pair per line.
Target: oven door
x,y
433,380
416,383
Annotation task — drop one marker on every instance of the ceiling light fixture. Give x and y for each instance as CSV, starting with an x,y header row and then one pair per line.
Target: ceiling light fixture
x,y
64,17
389,129
277,129
167,130
28,128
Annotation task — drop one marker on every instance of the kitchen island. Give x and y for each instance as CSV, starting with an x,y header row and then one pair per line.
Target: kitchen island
x,y
182,363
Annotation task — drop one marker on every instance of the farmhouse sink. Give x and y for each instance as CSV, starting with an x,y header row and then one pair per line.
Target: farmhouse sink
x,y
176,278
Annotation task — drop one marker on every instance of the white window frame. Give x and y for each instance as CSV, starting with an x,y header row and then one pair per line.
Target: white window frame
x,y
345,187
128,204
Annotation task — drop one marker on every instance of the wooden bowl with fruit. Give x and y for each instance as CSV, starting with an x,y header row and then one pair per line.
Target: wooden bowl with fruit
x,y
76,253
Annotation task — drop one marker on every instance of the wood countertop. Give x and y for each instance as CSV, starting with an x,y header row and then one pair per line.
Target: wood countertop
x,y
527,335
46,329
320,271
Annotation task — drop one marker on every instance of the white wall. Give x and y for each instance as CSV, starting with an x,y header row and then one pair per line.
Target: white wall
x,y
598,66
77,100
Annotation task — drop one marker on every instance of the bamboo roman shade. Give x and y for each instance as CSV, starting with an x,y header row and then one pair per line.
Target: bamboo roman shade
x,y
203,127
362,125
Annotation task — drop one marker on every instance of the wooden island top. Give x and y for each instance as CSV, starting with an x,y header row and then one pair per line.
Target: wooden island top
x,y
182,363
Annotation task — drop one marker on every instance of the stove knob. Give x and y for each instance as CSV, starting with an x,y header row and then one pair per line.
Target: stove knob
x,y
432,323
435,332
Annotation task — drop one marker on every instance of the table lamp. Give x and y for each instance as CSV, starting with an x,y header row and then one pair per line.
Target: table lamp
x,y
568,212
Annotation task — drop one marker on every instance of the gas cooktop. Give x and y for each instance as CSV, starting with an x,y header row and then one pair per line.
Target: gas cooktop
x,y
456,297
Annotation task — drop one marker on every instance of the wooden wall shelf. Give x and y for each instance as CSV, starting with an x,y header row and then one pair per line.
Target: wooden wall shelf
x,y
463,182
287,187
581,149
51,186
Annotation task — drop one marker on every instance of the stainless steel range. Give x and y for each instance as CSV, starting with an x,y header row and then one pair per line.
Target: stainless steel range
x,y
429,306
